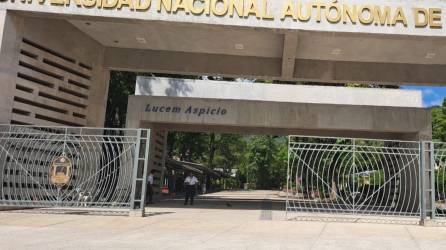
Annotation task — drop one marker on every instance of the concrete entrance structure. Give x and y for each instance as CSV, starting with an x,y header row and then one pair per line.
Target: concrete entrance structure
x,y
55,55
166,104
198,105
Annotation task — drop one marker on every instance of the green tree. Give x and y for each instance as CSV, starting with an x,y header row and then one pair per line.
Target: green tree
x,y
121,86
439,122
269,156
230,151
190,147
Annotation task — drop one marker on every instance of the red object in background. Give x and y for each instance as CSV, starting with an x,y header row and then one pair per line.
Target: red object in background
x,y
165,190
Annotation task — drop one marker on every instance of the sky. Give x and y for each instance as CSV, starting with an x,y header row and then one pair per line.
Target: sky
x,y
432,96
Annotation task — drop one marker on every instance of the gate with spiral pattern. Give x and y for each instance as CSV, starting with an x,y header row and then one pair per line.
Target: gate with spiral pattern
x,y
353,176
107,167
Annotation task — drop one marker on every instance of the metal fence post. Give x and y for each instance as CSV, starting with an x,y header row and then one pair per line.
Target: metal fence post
x,y
145,166
139,177
135,170
422,185
432,180
288,179
427,182
354,175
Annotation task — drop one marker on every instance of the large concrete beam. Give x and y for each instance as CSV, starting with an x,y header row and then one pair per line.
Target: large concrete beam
x,y
272,68
289,55
176,87
303,118
368,72
192,63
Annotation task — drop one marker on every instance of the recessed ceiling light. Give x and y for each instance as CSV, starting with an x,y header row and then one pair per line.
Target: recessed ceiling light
x,y
141,40
430,55
239,46
336,52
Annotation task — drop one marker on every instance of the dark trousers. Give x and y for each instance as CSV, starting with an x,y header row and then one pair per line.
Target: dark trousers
x,y
190,193
149,193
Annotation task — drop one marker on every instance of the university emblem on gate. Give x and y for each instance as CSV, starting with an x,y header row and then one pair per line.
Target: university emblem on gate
x,y
61,171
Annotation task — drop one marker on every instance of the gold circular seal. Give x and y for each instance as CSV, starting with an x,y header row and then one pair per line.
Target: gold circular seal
x,y
61,169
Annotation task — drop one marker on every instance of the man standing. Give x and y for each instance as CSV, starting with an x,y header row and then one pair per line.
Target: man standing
x,y
190,185
150,179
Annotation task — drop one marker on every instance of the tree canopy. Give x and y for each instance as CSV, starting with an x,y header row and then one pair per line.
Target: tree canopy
x,y
439,122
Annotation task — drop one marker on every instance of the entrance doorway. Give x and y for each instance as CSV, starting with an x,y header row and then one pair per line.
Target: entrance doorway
x,y
235,172
203,106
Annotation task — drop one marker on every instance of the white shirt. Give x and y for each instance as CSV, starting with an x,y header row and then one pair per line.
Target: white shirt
x,y
191,180
150,179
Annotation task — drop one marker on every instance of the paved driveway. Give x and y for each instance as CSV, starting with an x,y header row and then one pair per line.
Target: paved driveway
x,y
222,225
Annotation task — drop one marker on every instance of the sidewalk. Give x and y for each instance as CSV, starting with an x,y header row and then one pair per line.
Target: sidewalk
x,y
206,228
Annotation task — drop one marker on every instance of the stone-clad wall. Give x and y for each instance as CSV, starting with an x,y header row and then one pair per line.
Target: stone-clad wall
x,y
52,73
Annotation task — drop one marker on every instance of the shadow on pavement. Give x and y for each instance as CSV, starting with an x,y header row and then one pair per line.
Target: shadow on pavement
x,y
222,203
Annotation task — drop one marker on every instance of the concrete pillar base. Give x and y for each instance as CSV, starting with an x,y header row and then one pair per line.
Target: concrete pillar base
x,y
137,213
428,223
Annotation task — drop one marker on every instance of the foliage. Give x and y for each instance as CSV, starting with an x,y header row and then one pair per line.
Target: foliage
x,y
267,158
259,160
230,151
440,179
439,122
188,146
122,85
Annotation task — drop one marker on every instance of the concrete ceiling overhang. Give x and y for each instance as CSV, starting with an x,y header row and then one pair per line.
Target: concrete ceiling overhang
x,y
262,53
257,42
269,54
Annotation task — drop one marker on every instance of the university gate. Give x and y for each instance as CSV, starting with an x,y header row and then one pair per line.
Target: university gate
x,y
359,177
68,167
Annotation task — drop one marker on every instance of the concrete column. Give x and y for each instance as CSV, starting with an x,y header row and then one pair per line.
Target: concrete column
x,y
11,28
98,96
289,55
133,119
156,157
163,171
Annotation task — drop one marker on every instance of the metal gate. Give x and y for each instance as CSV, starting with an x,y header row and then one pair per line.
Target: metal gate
x,y
439,181
354,176
72,167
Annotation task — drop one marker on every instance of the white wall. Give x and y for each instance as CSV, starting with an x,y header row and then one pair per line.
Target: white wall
x,y
153,86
